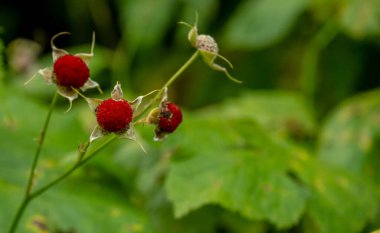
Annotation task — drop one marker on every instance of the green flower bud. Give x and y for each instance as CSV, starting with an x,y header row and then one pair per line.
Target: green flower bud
x,y
208,48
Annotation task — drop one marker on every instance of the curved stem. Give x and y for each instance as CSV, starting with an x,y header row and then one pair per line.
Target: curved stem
x,y
179,72
169,82
29,186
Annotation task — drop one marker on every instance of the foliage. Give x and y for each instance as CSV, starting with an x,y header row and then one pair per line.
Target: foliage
x,y
295,148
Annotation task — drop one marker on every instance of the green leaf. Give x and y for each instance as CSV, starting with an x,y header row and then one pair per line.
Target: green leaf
x,y
81,206
338,201
237,166
361,18
281,113
144,21
350,137
261,23
324,9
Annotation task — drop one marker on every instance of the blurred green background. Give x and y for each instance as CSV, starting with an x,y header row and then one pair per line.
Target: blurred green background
x,y
295,148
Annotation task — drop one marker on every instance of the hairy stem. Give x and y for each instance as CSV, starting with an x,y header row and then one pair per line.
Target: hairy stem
x,y
29,186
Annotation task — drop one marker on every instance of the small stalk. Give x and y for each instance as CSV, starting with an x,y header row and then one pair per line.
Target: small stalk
x,y
168,83
71,170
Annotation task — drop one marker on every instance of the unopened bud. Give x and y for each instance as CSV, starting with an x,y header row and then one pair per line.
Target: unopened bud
x,y
207,43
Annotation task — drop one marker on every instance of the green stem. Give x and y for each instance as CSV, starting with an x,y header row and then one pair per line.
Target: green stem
x,y
180,71
308,79
29,186
19,213
168,83
71,170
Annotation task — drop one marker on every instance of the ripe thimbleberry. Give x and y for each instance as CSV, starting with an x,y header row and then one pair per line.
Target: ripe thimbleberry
x,y
71,71
170,117
114,116
166,118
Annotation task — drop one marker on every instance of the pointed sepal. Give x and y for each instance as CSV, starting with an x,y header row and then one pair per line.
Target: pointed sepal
x,y
131,135
67,93
135,104
86,57
117,92
93,103
57,52
209,59
46,73
91,84
96,133
193,33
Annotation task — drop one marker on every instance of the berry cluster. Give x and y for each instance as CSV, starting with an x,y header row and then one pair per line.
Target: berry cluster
x,y
116,115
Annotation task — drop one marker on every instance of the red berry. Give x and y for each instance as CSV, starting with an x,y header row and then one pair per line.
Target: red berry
x,y
114,116
170,118
71,71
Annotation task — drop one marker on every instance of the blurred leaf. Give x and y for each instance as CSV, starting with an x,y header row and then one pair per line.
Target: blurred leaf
x,y
233,222
280,112
337,201
206,10
350,137
261,23
361,18
161,212
324,9
144,22
237,166
340,66
63,209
